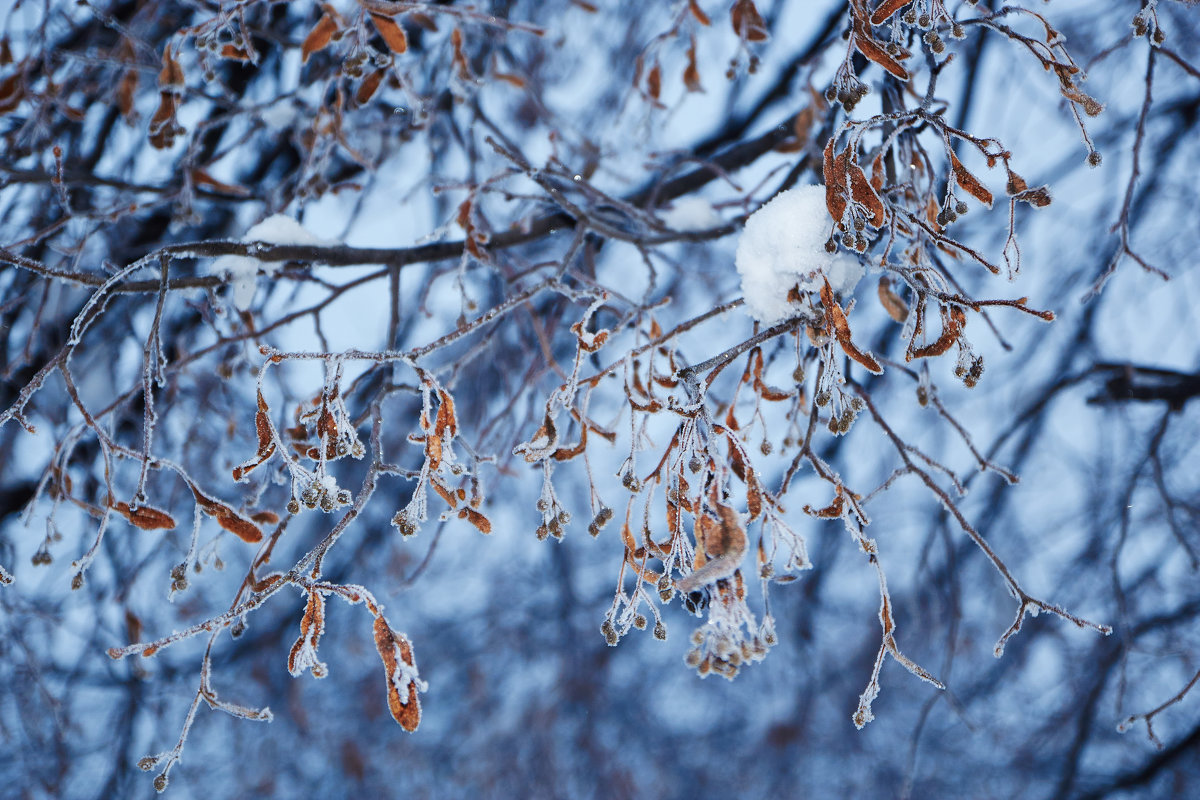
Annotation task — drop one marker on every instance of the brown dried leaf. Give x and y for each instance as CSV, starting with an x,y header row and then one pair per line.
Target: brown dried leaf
x,y
126,90
370,85
460,57
952,325
234,53
836,321
477,519
753,497
892,303
244,529
11,93
312,625
147,518
654,82
446,420
1016,184
319,37
875,52
864,193
878,172
747,22
835,181
969,182
423,21
691,74
395,649
445,493
171,76
886,9
1038,198
202,178
168,103
391,31
830,511
698,13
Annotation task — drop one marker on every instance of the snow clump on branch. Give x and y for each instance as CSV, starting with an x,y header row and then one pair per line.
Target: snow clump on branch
x,y
783,246
243,270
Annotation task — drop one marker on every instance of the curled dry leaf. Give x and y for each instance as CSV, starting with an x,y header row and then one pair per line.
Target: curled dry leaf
x,y
969,182
698,13
831,511
952,325
266,444
836,325
303,655
724,541
227,518
403,681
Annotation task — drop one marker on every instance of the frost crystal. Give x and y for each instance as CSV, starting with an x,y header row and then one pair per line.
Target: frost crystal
x,y
243,270
783,246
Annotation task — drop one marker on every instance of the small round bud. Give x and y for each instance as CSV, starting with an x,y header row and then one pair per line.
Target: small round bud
x,y
1094,158
660,631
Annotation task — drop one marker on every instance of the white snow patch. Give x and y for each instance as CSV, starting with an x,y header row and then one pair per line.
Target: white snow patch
x,y
783,245
692,214
279,116
243,270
